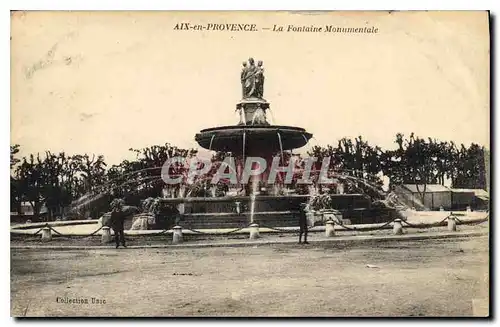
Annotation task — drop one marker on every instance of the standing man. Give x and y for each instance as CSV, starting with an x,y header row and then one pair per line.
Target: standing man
x,y
117,220
303,223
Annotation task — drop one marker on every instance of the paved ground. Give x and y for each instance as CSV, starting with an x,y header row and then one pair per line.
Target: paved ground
x,y
447,277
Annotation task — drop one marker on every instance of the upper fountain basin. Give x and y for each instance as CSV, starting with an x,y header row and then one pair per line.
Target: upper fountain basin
x,y
257,139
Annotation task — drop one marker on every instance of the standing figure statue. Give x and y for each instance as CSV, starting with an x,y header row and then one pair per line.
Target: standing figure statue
x,y
243,76
259,80
252,79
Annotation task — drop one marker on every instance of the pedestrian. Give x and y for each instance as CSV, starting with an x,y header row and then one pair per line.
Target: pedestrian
x,y
117,221
303,223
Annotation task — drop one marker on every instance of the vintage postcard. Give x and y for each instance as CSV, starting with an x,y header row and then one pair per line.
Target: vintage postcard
x,y
250,164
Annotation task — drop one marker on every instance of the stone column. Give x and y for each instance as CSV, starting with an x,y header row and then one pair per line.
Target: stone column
x,y
46,234
330,228
106,235
254,231
398,227
452,224
177,235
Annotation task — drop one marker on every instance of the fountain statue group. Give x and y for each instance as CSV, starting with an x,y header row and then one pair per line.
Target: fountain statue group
x,y
252,79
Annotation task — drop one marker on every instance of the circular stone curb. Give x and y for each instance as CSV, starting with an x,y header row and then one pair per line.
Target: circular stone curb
x,y
359,239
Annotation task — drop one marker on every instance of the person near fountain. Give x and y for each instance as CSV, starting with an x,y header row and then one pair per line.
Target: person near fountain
x,y
117,221
303,223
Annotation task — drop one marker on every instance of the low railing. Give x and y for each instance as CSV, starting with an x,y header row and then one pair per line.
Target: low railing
x,y
452,220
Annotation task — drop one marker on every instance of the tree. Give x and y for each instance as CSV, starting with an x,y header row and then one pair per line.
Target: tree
x,y
15,194
32,182
445,162
141,178
14,149
56,180
85,182
355,164
52,191
470,167
92,171
421,162
414,162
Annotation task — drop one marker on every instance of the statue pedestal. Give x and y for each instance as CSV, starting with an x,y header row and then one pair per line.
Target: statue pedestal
x,y
253,111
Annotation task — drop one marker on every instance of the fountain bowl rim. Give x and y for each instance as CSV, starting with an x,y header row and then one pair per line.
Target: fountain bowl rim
x,y
254,127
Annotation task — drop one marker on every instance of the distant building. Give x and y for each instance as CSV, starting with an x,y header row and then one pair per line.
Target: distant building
x,y
27,213
477,199
435,196
26,209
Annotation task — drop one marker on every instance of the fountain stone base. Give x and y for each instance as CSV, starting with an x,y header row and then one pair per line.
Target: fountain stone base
x,y
269,211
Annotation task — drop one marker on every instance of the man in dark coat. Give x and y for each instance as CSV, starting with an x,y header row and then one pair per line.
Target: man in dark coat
x,y
303,223
116,222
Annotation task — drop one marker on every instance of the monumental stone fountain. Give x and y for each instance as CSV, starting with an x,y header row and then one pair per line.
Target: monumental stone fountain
x,y
255,201
253,135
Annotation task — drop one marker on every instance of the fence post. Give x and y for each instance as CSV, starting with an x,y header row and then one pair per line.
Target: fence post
x,y
452,224
329,228
177,235
398,227
106,235
468,209
254,231
46,234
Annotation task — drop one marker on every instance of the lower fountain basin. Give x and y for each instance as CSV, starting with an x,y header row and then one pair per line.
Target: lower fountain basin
x,y
257,139
270,211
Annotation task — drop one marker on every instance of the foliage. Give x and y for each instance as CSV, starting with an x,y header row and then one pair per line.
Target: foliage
x,y
85,184
166,215
53,180
141,178
116,203
14,149
319,202
422,162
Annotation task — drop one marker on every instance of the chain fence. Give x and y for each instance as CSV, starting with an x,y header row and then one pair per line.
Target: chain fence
x,y
288,230
370,228
69,235
424,225
476,222
209,233
281,230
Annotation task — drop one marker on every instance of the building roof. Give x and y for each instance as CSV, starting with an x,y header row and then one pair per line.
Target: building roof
x,y
477,191
430,188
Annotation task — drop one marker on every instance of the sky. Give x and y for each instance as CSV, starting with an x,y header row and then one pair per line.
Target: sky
x,y
104,82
